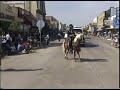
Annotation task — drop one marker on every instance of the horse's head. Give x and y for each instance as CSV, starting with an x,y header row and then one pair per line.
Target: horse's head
x,y
78,37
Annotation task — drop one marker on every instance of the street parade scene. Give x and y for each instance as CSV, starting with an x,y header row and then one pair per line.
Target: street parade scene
x,y
59,44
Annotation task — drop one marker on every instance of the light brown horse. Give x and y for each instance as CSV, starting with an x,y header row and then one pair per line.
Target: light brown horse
x,y
76,45
66,46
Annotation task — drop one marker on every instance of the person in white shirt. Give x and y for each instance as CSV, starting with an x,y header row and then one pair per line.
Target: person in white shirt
x,y
47,38
66,35
8,36
3,38
8,39
3,45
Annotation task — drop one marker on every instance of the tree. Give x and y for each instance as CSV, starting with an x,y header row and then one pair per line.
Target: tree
x,y
45,29
15,25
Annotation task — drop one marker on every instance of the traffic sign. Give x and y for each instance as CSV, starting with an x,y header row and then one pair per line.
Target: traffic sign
x,y
40,24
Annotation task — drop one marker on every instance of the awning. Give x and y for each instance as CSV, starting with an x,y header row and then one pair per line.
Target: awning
x,y
28,19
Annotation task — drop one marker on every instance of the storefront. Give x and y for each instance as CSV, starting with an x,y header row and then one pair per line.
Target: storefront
x,y
27,18
7,15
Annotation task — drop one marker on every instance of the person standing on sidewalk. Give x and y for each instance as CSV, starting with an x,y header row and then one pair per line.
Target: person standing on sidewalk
x,y
59,36
47,39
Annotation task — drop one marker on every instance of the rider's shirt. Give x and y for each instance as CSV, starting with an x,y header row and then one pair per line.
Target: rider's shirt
x,y
66,35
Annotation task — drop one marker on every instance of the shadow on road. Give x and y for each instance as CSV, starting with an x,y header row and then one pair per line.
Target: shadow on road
x,y
92,60
89,60
52,45
87,38
5,57
55,44
90,45
19,70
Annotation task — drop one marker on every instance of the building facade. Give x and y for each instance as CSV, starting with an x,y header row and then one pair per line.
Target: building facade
x,y
37,8
117,19
64,27
61,25
7,15
112,20
101,19
27,19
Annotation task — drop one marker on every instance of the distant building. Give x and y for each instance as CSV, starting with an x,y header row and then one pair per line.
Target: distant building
x,y
52,22
64,26
61,25
95,20
100,20
117,19
112,20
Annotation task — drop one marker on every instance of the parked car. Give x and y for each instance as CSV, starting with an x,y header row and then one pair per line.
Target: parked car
x,y
81,31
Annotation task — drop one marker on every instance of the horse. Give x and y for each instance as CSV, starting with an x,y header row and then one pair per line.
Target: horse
x,y
66,46
76,45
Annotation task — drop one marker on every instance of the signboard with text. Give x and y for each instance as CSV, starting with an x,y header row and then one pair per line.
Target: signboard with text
x,y
116,19
117,16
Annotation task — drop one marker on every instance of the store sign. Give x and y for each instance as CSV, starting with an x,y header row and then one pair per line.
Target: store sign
x,y
117,16
115,25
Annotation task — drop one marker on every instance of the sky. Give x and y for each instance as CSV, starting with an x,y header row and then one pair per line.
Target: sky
x,y
78,13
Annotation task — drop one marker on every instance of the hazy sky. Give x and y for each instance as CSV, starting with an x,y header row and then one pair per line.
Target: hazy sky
x,y
78,13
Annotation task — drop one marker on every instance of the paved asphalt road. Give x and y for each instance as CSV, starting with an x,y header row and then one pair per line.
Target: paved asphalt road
x,y
47,69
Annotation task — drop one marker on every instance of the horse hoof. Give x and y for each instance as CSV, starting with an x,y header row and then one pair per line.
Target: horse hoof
x,y
66,58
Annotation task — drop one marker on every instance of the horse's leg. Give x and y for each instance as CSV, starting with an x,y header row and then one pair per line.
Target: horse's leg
x,y
78,55
67,54
64,49
74,55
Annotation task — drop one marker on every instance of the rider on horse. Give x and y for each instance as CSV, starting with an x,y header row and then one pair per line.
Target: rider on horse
x,y
71,34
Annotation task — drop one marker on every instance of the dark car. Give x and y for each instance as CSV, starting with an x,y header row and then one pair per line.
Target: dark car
x,y
81,31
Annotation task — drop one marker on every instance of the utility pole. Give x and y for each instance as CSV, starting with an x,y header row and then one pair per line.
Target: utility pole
x,y
40,33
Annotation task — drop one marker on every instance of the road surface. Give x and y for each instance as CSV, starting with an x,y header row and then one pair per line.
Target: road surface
x,y
46,68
